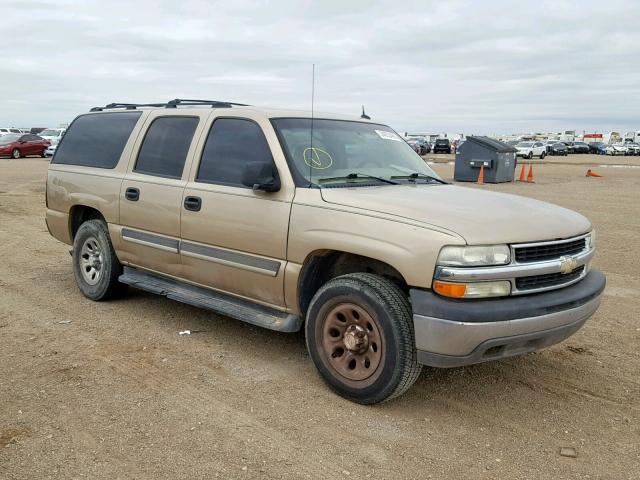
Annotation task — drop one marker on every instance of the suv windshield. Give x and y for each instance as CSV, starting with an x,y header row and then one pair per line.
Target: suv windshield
x,y
50,133
347,152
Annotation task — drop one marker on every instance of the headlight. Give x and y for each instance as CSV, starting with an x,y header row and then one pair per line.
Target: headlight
x,y
472,290
591,239
474,256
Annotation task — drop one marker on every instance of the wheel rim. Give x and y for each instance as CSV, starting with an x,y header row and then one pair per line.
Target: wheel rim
x,y
91,261
16,153
351,342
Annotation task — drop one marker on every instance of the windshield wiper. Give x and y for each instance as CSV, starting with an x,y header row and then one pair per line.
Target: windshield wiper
x,y
418,176
356,176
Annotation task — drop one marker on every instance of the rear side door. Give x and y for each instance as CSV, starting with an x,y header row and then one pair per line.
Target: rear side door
x,y
151,192
236,239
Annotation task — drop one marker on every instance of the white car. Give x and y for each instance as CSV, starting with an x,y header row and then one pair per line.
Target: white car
x,y
531,149
52,134
51,149
616,149
4,131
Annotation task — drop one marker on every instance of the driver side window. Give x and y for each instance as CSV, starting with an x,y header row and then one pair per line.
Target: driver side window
x,y
230,145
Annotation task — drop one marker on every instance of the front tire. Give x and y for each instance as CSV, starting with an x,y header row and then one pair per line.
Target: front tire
x,y
95,265
542,155
359,333
15,154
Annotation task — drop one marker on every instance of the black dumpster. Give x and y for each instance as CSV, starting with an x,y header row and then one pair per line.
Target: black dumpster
x,y
498,158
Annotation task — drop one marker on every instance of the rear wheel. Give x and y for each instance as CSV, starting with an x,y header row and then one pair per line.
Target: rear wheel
x,y
43,154
95,265
15,153
359,334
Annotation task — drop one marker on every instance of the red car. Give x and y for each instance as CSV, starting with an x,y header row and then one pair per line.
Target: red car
x,y
16,145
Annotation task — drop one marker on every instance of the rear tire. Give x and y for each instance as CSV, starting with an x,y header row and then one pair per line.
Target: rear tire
x,y
43,154
359,333
95,265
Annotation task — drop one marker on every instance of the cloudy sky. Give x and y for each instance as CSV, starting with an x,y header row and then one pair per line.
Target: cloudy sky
x,y
454,66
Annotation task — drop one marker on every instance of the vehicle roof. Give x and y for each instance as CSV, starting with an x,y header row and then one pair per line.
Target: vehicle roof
x,y
267,112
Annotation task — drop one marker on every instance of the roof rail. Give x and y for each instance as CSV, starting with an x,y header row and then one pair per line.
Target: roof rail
x,y
176,102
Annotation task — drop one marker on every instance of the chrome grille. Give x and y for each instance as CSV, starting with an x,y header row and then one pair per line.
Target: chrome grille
x,y
549,280
548,250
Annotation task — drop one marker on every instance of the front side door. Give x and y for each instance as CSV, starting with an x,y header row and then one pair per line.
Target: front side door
x,y
151,193
234,238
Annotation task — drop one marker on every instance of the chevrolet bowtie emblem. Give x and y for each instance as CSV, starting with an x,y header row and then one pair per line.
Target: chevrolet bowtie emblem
x,y
568,264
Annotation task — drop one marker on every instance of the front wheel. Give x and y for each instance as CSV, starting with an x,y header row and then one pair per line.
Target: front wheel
x,y
95,265
15,154
542,155
359,334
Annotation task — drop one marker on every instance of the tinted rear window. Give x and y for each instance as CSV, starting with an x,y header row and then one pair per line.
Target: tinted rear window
x,y
96,140
165,146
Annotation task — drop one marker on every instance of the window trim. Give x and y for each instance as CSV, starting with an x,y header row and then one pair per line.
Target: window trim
x,y
144,137
204,145
59,144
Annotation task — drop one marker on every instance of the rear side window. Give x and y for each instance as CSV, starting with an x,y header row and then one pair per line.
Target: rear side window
x,y
231,144
165,146
96,140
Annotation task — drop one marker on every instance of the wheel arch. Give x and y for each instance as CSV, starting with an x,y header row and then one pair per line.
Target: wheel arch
x,y
78,214
320,266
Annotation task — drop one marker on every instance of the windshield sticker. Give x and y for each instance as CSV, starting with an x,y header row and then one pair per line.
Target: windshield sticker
x,y
317,158
388,135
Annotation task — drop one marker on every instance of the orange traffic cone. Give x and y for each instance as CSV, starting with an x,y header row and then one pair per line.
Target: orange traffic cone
x,y
591,173
530,176
481,175
522,177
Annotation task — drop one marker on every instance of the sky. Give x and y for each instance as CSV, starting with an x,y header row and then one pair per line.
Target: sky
x,y
472,67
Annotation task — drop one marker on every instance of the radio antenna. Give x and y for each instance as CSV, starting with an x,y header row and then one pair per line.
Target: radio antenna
x,y
313,86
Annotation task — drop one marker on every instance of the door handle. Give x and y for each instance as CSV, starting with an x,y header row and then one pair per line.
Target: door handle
x,y
132,194
193,203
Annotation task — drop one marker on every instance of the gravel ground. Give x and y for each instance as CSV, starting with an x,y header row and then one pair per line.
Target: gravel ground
x,y
111,391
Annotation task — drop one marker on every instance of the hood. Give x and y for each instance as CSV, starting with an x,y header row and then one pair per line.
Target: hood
x,y
480,217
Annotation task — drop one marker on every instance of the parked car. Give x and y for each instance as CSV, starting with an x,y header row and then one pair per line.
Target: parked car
x,y
531,149
597,148
51,150
16,145
442,145
52,134
557,148
632,148
5,130
384,265
580,147
616,149
570,146
421,147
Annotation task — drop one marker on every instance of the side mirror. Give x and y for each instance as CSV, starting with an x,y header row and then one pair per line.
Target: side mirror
x,y
261,176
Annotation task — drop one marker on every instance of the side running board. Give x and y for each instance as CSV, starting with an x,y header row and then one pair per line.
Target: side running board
x,y
208,299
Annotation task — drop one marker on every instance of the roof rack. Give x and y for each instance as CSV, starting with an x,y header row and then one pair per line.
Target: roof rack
x,y
175,103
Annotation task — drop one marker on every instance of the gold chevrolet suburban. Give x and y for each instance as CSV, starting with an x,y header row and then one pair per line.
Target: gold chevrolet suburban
x,y
333,224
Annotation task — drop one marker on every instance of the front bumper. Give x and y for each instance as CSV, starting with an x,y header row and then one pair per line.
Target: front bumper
x,y
452,333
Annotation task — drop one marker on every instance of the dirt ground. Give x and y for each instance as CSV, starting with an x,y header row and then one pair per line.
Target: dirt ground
x,y
111,391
